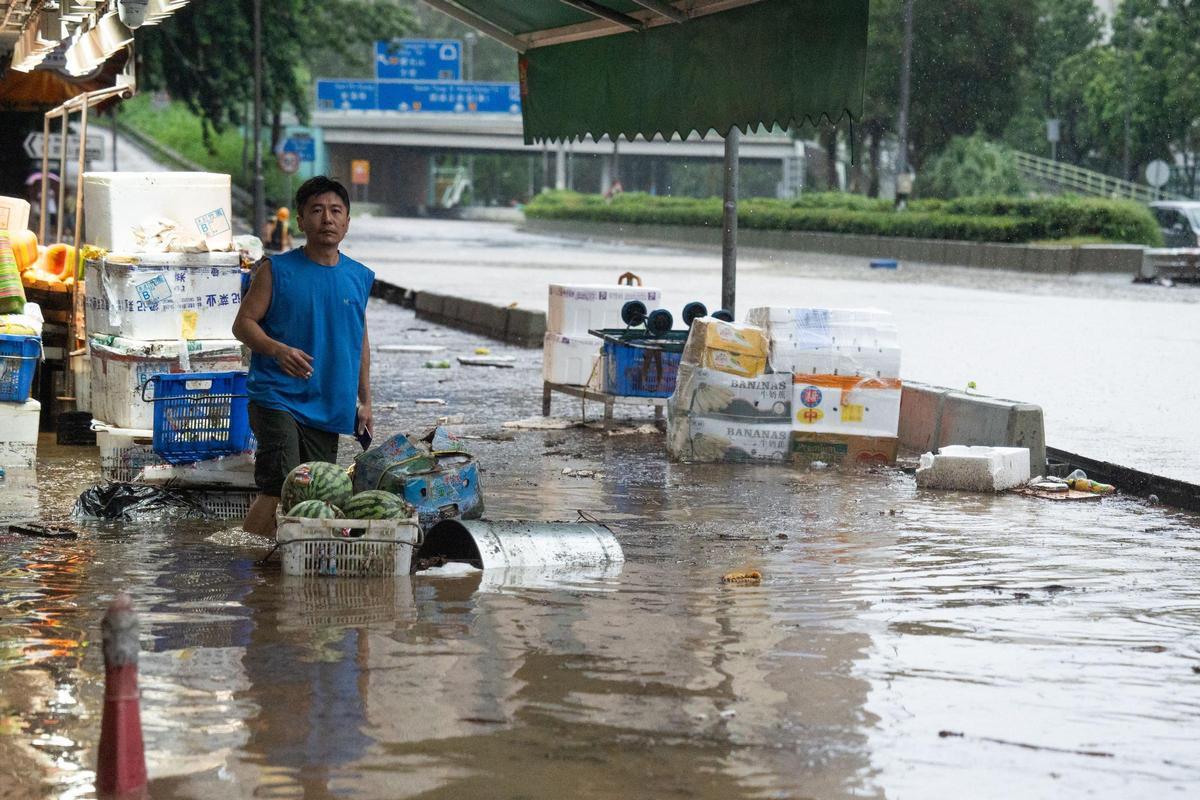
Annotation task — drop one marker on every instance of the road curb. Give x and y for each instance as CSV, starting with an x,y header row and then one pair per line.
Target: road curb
x,y
520,326
1045,259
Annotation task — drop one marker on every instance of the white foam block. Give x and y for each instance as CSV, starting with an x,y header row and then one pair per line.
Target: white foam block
x,y
19,433
117,202
570,359
574,309
974,469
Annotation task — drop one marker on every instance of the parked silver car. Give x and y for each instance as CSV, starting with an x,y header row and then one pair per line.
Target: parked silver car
x,y
1179,221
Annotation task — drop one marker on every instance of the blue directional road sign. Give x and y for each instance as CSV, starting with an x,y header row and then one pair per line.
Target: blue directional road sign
x,y
419,60
450,97
302,145
334,95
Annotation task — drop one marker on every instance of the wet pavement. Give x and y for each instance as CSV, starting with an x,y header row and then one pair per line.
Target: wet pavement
x,y
1110,362
903,643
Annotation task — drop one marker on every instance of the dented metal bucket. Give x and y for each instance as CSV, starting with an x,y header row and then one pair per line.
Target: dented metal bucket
x,y
491,545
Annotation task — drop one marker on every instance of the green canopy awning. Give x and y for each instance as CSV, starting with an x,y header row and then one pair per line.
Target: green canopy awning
x,y
649,67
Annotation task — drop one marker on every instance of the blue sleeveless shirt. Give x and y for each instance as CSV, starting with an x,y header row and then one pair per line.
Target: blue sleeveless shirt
x,y
320,310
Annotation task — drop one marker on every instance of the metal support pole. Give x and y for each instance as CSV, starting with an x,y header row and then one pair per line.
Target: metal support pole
x,y
62,179
45,176
83,125
729,234
905,90
260,219
560,166
114,141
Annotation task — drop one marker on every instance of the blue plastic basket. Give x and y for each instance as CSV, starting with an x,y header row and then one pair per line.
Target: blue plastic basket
x,y
18,360
199,415
639,364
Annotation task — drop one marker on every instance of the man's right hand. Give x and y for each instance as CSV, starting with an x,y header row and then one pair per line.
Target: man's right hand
x,y
294,362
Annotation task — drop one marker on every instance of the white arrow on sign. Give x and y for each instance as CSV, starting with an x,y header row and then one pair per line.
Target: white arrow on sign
x,y
33,146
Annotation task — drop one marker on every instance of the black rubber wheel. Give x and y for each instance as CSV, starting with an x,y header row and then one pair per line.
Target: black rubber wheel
x,y
723,315
633,313
660,321
694,310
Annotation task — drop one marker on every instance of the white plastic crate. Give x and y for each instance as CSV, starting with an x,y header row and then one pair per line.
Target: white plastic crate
x,y
226,505
124,452
313,547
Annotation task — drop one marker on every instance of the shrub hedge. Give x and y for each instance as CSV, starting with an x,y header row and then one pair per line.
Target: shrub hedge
x,y
976,219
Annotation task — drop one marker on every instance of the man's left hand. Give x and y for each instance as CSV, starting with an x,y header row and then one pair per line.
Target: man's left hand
x,y
365,421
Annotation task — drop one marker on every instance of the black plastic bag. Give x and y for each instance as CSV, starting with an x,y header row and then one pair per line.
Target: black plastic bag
x,y
135,501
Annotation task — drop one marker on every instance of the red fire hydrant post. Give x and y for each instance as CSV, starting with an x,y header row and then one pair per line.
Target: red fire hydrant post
x,y
121,768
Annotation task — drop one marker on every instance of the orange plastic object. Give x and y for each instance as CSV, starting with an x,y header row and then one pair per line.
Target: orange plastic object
x,y
61,260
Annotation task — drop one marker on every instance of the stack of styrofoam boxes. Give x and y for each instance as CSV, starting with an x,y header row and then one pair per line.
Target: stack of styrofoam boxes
x,y
570,354
726,406
150,312
846,380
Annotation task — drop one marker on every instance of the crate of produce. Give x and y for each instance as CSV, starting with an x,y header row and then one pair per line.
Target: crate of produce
x,y
199,415
638,363
349,548
124,452
18,360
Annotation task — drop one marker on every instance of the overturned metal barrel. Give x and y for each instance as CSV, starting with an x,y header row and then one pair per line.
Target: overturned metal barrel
x,y
491,545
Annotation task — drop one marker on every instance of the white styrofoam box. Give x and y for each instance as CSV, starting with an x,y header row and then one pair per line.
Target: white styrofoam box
x,y
781,317
14,214
574,309
845,335
844,404
125,452
877,362
19,433
163,295
570,359
121,366
118,202
974,469
81,368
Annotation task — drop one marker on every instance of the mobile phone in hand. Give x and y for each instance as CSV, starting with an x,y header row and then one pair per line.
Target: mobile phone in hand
x,y
364,438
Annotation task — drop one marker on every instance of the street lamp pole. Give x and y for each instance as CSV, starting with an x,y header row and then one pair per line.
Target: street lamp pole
x,y
905,82
259,188
470,38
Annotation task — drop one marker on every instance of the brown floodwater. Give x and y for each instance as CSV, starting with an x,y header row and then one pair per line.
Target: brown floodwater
x,y
903,643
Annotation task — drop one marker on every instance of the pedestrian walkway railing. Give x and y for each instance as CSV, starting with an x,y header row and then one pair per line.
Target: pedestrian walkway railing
x,y
1070,178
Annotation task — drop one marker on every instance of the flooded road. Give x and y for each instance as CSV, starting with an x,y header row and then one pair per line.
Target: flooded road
x,y
903,643
1109,362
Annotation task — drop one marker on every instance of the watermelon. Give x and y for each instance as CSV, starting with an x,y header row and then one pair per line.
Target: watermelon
x,y
314,509
377,504
316,480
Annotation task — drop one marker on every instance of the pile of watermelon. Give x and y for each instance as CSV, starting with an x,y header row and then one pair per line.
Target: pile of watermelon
x,y
319,490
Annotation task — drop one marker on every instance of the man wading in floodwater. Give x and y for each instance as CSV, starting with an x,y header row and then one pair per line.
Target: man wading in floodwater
x,y
310,375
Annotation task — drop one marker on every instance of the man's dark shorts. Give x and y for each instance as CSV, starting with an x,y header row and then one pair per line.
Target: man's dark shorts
x,y
283,445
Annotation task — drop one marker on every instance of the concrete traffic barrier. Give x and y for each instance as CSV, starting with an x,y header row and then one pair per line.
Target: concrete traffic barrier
x,y
932,416
526,327
429,304
121,766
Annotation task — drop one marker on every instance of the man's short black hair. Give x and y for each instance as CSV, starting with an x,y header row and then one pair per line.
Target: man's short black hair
x,y
320,185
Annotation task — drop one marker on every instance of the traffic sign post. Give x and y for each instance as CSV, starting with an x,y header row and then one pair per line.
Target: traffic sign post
x,y
289,162
1158,172
94,150
419,60
360,175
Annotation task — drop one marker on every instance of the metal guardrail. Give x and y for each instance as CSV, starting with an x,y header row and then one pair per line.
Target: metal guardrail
x,y
1069,177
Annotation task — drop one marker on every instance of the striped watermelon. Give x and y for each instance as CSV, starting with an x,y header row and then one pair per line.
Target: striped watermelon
x,y
377,504
314,509
317,480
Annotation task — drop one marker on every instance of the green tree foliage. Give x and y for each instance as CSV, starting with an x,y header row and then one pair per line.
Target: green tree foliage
x,y
966,71
968,166
203,54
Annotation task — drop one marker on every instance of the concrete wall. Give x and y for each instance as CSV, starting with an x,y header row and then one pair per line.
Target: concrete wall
x,y
932,416
1056,259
